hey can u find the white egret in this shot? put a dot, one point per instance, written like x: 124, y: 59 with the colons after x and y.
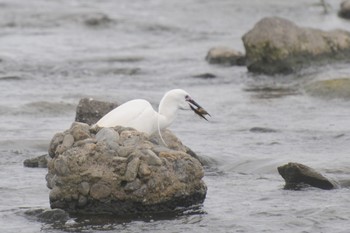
x: 140, y: 115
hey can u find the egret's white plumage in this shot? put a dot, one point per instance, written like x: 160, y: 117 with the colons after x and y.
x: 140, y: 115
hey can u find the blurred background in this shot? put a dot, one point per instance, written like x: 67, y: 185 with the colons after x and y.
x: 55, y: 52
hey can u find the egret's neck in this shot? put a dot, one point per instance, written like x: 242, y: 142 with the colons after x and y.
x: 167, y: 113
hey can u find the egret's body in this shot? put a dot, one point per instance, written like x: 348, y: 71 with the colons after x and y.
x: 140, y: 115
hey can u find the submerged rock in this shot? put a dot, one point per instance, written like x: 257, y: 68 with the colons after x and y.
x: 262, y: 130
x: 330, y: 89
x: 40, y: 161
x: 89, y: 111
x: 297, y: 175
x: 122, y: 171
x: 225, y: 56
x: 276, y: 45
x: 205, y: 76
x: 48, y: 215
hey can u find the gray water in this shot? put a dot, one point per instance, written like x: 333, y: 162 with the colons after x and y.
x: 55, y: 52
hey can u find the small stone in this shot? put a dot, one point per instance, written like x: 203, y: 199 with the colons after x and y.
x: 132, y: 186
x: 109, y: 136
x: 144, y: 170
x: 152, y: 158
x: 100, y: 191
x: 56, y: 140
x: 82, y: 201
x: 132, y: 169
x: 205, y: 76
x: 61, y: 167
x: 40, y: 161
x: 68, y: 141
x: 262, y: 130
x: 124, y: 151
x: 55, y: 194
x: 225, y: 56
x: 60, y: 149
x: 84, y: 188
x: 80, y: 131
x: 97, y: 19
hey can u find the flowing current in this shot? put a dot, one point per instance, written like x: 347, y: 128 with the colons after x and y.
x: 52, y: 53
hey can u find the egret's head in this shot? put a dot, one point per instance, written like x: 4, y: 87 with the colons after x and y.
x: 185, y: 102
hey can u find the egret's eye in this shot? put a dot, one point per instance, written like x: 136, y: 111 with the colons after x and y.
x: 187, y: 98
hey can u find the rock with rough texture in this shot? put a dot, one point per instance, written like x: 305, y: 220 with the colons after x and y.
x: 40, y: 161
x: 225, y: 56
x: 89, y: 111
x: 344, y: 11
x: 276, y: 45
x: 48, y: 215
x: 330, y: 89
x: 122, y: 171
x: 297, y: 176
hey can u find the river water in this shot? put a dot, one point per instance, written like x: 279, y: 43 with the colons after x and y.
x: 55, y: 52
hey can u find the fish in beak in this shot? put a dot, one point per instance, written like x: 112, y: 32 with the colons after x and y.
x: 197, y: 108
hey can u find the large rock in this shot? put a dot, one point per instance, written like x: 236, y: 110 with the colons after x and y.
x: 297, y: 176
x: 276, y: 45
x: 344, y: 11
x: 121, y: 171
x: 330, y: 89
x: 89, y: 111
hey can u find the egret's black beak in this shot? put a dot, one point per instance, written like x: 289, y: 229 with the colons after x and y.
x: 199, y: 110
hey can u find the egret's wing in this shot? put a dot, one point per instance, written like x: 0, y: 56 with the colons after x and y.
x: 125, y: 114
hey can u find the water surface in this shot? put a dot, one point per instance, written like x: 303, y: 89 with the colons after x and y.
x: 55, y: 52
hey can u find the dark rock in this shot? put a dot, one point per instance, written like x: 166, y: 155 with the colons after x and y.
x: 48, y: 216
x: 40, y: 161
x: 262, y: 130
x: 276, y: 45
x: 97, y: 19
x: 205, y: 76
x: 55, y: 141
x: 89, y: 111
x: 10, y: 78
x: 330, y: 89
x: 268, y: 92
x: 225, y: 56
x: 344, y: 11
x: 139, y: 175
x: 297, y: 175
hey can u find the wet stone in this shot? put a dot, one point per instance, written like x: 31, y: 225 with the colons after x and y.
x: 100, y: 191
x: 68, y: 141
x: 82, y: 201
x: 109, y: 136
x: 132, y: 186
x: 152, y: 158
x: 80, y: 131
x: 124, y: 151
x: 132, y: 169
x: 84, y: 188
x: 298, y: 175
x: 61, y: 167
x: 40, y: 161
x: 56, y: 140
